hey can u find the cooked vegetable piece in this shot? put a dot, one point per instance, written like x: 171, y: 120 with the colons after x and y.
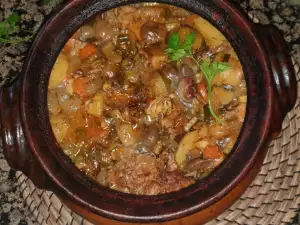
x: 171, y: 72
x: 158, y: 85
x: 199, y: 40
x: 96, y: 105
x: 187, y: 143
x: 60, y: 127
x: 185, y: 89
x: 218, y: 131
x: 59, y: 71
x: 74, y: 64
x: 211, y: 152
x: 73, y: 46
x: 53, y: 105
x: 232, y: 76
x: 97, y: 133
x: 223, y: 96
x: 201, y: 89
x: 85, y: 87
x: 109, y: 50
x: 126, y: 133
x: 87, y: 51
x: 213, y: 37
x: 190, y: 20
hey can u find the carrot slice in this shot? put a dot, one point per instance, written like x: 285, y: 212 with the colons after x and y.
x: 211, y: 152
x: 97, y: 133
x: 191, y: 19
x: 87, y: 51
x: 80, y: 87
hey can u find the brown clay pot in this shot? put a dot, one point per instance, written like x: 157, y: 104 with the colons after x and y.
x: 30, y: 146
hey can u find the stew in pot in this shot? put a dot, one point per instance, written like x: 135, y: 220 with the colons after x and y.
x: 147, y: 99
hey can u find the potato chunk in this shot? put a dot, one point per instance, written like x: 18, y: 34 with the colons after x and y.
x: 59, y: 126
x: 95, y: 107
x: 59, y: 71
x: 212, y: 35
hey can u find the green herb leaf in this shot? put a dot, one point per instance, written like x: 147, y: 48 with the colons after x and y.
x: 207, y: 70
x: 211, y: 69
x: 178, y: 54
x: 13, y: 19
x: 222, y: 66
x: 189, y: 41
x: 169, y: 51
x: 175, y: 51
x: 174, y: 41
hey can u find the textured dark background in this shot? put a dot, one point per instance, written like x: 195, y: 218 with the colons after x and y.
x: 285, y: 14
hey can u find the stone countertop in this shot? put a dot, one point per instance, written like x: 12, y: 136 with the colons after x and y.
x: 285, y: 14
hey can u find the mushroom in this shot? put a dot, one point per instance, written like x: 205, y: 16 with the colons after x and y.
x: 186, y: 71
x: 153, y: 32
x: 188, y: 143
x: 150, y: 136
x: 185, y: 90
x: 171, y: 72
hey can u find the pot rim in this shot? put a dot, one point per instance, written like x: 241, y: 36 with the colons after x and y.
x: 64, y: 180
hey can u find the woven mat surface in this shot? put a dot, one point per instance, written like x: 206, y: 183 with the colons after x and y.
x: 272, y: 198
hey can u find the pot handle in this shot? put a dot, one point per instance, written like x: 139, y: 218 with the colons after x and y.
x: 14, y: 145
x: 284, y: 78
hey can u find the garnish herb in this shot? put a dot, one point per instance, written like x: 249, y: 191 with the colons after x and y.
x: 10, y: 27
x: 177, y: 51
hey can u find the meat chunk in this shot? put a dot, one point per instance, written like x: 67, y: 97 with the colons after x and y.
x: 135, y: 175
x: 144, y: 175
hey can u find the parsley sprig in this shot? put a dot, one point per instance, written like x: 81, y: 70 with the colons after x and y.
x: 10, y: 27
x: 176, y: 51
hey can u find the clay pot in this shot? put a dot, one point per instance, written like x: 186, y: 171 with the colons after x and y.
x: 30, y: 146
